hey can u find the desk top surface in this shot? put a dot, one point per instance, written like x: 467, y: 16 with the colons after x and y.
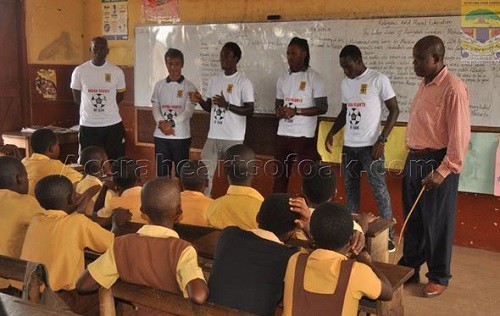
x: 12, y: 305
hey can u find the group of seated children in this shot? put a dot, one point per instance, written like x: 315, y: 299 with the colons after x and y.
x: 254, y: 270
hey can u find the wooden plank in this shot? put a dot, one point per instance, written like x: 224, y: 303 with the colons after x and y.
x: 378, y: 226
x: 168, y: 302
x: 11, y: 305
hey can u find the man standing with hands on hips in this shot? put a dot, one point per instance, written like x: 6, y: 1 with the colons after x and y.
x: 438, y: 137
x: 98, y: 87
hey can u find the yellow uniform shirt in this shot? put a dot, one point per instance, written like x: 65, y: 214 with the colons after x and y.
x: 57, y: 240
x: 87, y: 182
x: 104, y: 270
x: 321, y: 276
x: 39, y: 166
x: 131, y: 200
x: 16, y: 212
x: 239, y: 207
x: 194, y: 206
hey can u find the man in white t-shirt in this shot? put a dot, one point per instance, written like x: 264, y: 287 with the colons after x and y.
x: 300, y: 97
x: 98, y: 87
x: 172, y: 111
x: 364, y: 91
x: 230, y: 100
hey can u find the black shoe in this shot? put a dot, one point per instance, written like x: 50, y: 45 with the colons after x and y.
x: 391, y: 246
x: 415, y: 278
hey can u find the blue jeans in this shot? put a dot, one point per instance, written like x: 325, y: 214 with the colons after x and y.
x: 354, y: 160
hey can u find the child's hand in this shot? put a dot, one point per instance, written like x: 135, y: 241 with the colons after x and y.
x: 357, y: 242
x: 367, y: 217
x: 299, y: 205
x: 364, y: 257
x: 111, y: 185
x: 121, y: 216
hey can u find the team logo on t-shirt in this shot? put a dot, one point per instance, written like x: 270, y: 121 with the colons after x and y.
x: 219, y: 114
x: 363, y: 89
x: 99, y: 102
x: 169, y: 115
x: 107, y: 77
x: 229, y: 88
x: 354, y: 117
x: 302, y: 86
x: 289, y: 105
x: 179, y: 93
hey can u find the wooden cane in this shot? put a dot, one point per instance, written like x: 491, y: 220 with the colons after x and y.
x: 405, y: 222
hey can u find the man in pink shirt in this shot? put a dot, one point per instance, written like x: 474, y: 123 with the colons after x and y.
x: 438, y: 137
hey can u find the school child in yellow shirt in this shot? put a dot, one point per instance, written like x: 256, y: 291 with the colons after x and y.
x: 194, y: 180
x: 58, y: 236
x: 325, y: 282
x: 95, y: 166
x: 17, y: 208
x: 154, y: 256
x: 45, y: 159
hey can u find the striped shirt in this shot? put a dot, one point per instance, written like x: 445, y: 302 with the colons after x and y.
x: 440, y: 118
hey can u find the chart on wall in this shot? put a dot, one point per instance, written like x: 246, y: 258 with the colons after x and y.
x: 386, y: 45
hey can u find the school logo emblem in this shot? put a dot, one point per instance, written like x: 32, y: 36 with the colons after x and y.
x: 169, y: 116
x: 107, y: 77
x: 354, y: 116
x: 363, y: 89
x: 229, y: 88
x: 302, y: 86
x: 179, y: 93
x: 98, y: 102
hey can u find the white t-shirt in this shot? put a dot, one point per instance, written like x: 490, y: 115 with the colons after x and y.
x: 364, y: 97
x: 171, y: 103
x: 98, y: 85
x: 298, y: 90
x: 237, y: 89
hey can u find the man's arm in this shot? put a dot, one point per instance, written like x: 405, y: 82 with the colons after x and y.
x: 378, y: 147
x: 320, y: 107
x: 337, y: 126
x: 77, y: 96
x: 196, y: 98
x: 119, y: 96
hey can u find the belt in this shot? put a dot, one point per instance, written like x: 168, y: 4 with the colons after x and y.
x: 424, y: 151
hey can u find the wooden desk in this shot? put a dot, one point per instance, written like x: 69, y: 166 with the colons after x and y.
x: 22, y: 140
x: 377, y: 239
x: 12, y: 306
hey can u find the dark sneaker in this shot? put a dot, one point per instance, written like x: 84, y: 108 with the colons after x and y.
x: 391, y: 246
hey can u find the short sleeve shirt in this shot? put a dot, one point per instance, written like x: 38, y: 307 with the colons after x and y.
x: 172, y: 98
x: 237, y: 90
x: 98, y: 85
x: 298, y: 90
x: 364, y: 97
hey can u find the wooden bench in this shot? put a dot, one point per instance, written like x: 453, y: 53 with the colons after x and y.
x: 15, y: 269
x: 157, y: 299
x: 14, y: 306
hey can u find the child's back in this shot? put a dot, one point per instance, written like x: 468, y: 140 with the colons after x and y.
x: 194, y: 178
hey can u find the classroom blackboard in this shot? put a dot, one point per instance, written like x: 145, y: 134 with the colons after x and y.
x: 386, y: 45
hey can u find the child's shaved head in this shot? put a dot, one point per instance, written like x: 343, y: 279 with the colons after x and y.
x: 160, y: 200
x: 54, y: 192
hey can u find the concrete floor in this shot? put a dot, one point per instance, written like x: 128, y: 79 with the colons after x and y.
x: 474, y: 288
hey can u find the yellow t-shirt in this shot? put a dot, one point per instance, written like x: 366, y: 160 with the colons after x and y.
x: 194, y: 206
x: 16, y: 212
x: 58, y: 239
x: 39, y: 166
x: 131, y: 200
x: 321, y: 276
x: 87, y: 182
x: 104, y: 270
x: 239, y: 207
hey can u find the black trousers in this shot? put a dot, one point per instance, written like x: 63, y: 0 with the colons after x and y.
x: 111, y: 138
x: 168, y: 151
x: 428, y: 236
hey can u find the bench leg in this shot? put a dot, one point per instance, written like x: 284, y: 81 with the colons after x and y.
x: 106, y: 303
x: 393, y: 307
x: 377, y: 247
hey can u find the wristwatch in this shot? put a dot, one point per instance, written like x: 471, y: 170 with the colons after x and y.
x: 298, y: 111
x: 382, y: 138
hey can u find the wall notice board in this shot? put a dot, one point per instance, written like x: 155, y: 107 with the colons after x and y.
x: 386, y: 45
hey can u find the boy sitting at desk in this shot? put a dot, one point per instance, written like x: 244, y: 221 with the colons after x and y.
x: 194, y: 203
x: 58, y: 236
x: 249, y: 266
x: 155, y: 256
x: 240, y: 205
x: 325, y: 282
x: 126, y: 183
x: 94, y: 161
x: 17, y: 208
x: 45, y: 159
